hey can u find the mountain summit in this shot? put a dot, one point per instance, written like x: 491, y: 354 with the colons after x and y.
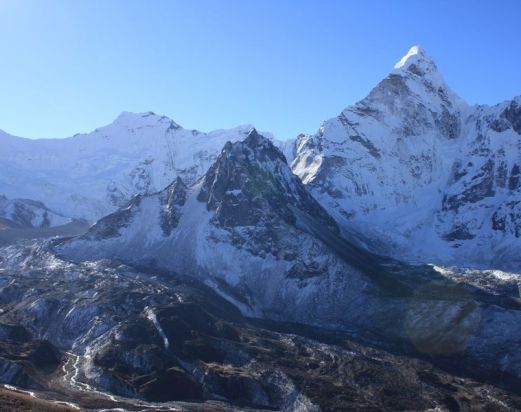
x: 419, y: 67
x: 418, y: 57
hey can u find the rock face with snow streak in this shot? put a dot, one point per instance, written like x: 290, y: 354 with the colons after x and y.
x: 28, y: 213
x: 90, y: 175
x: 418, y: 173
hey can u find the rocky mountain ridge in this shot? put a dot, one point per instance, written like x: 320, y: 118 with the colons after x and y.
x: 234, y: 229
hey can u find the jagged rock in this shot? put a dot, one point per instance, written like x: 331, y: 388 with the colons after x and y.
x: 174, y: 197
x: 512, y: 113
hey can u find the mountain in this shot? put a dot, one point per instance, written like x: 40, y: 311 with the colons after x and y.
x: 240, y: 288
x: 90, y: 175
x: 223, y: 278
x: 414, y: 171
x: 235, y: 230
x: 251, y: 231
x: 411, y: 171
x: 28, y: 213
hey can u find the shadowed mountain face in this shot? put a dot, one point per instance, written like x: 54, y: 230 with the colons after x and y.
x: 22, y: 219
x: 24, y: 213
x: 251, y: 179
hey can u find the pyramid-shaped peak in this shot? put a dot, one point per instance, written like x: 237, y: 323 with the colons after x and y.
x: 256, y: 145
x: 417, y: 61
x: 254, y: 138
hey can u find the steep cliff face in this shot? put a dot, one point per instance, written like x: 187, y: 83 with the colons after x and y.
x: 91, y: 175
x: 417, y: 172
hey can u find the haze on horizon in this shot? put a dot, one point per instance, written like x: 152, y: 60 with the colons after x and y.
x: 284, y: 67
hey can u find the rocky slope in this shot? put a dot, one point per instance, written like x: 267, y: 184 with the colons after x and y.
x: 418, y: 173
x: 90, y: 175
x: 102, y: 335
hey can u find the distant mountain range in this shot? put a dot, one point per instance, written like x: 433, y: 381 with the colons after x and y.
x: 411, y: 171
x: 90, y: 175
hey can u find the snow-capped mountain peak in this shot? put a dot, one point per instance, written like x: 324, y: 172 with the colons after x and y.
x: 414, y: 92
x: 145, y: 119
x: 418, y: 66
x: 422, y: 168
x: 419, y: 57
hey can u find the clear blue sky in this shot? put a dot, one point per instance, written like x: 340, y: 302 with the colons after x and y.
x: 73, y: 65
